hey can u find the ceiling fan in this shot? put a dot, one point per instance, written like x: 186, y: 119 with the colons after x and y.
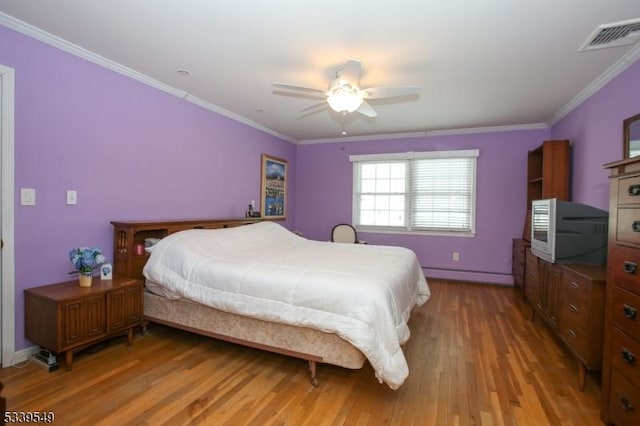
x: 345, y: 95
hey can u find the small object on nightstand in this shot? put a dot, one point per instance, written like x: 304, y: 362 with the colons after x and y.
x: 138, y: 249
x: 106, y: 271
x: 85, y: 279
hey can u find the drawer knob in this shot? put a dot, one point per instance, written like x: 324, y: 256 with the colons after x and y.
x: 573, y: 307
x: 630, y: 267
x: 572, y: 333
x: 635, y: 226
x: 574, y: 284
x: 634, y: 190
x: 627, y: 356
x: 628, y: 311
x: 626, y: 404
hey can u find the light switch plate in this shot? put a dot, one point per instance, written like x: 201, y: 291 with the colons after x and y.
x: 27, y: 196
x: 72, y: 198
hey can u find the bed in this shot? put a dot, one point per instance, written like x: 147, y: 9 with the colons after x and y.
x: 263, y: 286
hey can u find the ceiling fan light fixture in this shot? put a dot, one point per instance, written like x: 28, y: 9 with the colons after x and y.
x: 344, y: 98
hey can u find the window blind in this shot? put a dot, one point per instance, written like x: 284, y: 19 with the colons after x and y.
x: 442, y: 193
x: 420, y: 191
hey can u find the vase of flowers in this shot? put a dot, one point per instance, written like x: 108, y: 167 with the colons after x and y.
x: 85, y: 260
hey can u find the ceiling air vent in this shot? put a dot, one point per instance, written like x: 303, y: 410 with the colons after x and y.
x: 613, y: 35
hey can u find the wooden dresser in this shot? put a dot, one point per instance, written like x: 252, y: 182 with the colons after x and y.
x: 569, y: 298
x: 580, y: 313
x: 621, y: 368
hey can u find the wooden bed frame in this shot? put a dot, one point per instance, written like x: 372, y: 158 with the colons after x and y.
x: 300, y: 342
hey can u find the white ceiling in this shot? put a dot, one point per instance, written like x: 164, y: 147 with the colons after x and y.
x: 479, y: 63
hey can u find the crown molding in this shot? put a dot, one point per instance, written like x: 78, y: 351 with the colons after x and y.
x: 66, y: 46
x: 489, y: 129
x: 22, y: 27
x: 430, y: 133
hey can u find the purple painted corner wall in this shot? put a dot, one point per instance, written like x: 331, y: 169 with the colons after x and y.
x: 324, y: 199
x: 134, y: 152
x: 131, y: 152
x: 595, y: 131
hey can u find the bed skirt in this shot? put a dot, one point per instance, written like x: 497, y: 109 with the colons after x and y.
x: 300, y: 342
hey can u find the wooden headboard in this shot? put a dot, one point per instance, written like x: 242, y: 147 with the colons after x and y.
x: 129, y: 262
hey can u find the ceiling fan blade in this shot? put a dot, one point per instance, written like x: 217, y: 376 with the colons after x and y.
x: 351, y: 73
x: 314, y: 106
x: 389, y: 92
x: 366, y: 110
x: 296, y: 88
x: 313, y: 109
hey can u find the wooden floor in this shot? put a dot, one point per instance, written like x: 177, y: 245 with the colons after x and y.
x: 474, y: 359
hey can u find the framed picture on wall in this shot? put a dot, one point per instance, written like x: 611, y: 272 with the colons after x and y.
x: 273, y: 190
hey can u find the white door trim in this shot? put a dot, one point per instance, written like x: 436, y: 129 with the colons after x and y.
x: 7, y: 81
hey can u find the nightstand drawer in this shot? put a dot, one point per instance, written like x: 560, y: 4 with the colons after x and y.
x: 83, y: 320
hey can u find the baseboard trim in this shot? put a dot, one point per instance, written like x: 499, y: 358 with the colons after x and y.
x: 474, y: 276
x: 20, y: 356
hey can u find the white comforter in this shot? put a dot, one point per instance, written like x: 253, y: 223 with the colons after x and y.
x: 363, y: 293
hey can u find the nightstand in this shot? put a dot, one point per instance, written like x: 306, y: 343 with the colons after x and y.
x: 65, y: 317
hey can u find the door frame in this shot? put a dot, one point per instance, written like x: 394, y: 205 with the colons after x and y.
x: 7, y: 259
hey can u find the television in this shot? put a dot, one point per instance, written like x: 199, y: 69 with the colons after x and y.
x: 568, y: 232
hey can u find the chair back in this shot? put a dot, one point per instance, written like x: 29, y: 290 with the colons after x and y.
x: 344, y: 233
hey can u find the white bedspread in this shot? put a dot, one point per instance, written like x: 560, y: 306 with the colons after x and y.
x: 363, y: 293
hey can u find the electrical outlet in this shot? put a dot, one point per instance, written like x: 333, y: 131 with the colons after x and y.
x: 456, y: 256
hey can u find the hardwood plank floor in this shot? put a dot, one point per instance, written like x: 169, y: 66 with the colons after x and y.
x: 474, y: 359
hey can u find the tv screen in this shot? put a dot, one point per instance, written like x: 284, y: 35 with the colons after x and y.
x: 568, y: 232
x: 540, y: 221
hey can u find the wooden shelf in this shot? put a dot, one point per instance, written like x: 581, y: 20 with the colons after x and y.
x: 548, y: 175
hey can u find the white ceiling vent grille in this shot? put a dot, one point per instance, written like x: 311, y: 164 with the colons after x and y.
x: 613, y: 35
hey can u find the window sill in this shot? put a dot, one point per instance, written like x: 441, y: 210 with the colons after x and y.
x: 364, y: 229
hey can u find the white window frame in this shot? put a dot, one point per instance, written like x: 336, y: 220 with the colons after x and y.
x: 408, y: 157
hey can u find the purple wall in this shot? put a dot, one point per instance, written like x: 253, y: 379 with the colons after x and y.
x: 131, y: 152
x: 595, y: 129
x: 325, y: 187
